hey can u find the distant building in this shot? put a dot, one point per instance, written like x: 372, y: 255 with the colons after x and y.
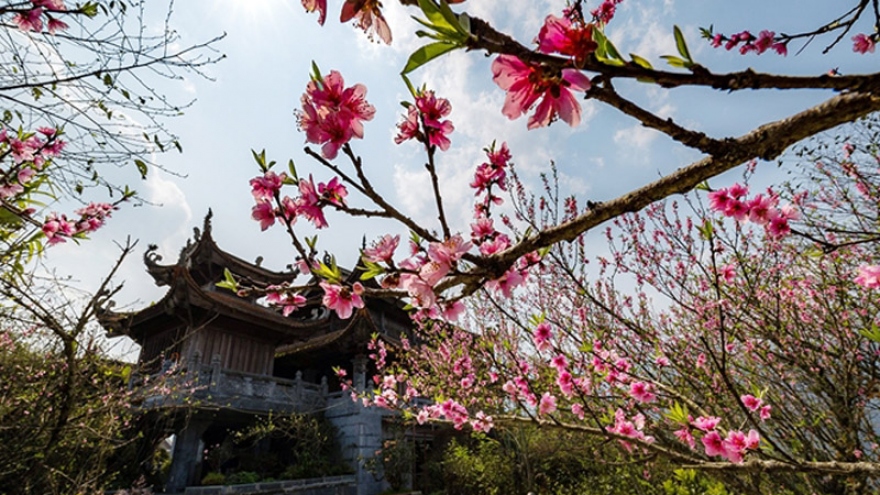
x: 240, y: 359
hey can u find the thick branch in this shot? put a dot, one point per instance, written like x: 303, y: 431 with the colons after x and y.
x: 487, y: 38
x: 766, y: 142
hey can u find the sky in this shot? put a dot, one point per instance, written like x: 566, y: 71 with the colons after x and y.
x: 249, y: 102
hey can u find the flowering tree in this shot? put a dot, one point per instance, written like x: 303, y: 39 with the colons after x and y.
x: 750, y: 323
x: 77, y: 91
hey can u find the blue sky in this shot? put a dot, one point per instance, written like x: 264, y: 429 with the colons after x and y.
x: 270, y: 45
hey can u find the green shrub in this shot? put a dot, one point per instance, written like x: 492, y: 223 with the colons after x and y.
x: 242, y: 478
x: 214, y: 478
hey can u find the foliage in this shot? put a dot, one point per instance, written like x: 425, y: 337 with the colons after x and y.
x: 526, y: 459
x: 58, y: 451
x: 299, y: 446
x: 214, y: 478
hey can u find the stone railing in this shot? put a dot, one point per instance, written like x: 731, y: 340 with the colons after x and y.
x: 210, y: 384
x: 332, y: 485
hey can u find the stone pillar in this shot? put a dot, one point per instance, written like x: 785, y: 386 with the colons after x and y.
x: 359, y: 429
x: 194, y: 368
x: 359, y: 373
x: 215, y: 372
x: 185, y: 456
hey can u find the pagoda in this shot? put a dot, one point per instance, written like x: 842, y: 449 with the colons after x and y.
x: 233, y: 358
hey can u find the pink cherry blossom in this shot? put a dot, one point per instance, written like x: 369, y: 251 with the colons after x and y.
x: 432, y: 110
x: 264, y: 213
x: 713, y: 444
x: 706, y: 423
x: 308, y: 203
x: 547, y: 404
x: 863, y: 43
x: 642, y: 392
x: 869, y: 276
x: 342, y: 299
x: 319, y: 5
x: 526, y: 84
x: 765, y: 413
x: 367, y: 16
x: 30, y: 20
x: 684, y: 434
x: 288, y: 302
x: 605, y: 12
x: 266, y: 186
x: 332, y: 114
x: 560, y: 35
x: 448, y: 251
x: 333, y: 192
x: 53, y: 25
x: 751, y: 402
x: 383, y: 249
x: 408, y: 128
x: 542, y: 336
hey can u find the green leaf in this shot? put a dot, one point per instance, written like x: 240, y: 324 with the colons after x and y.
x: 674, y: 61
x: 260, y: 158
x: 464, y: 21
x: 372, y: 270
x: 329, y: 273
x: 681, y: 45
x: 677, y: 413
x: 641, y: 62
x: 316, y: 75
x: 873, y: 334
x: 90, y: 9
x: 292, y: 168
x: 427, y: 53
x: 108, y: 80
x: 228, y: 281
x: 535, y: 320
x: 452, y: 19
x: 702, y: 186
x: 605, y: 50
x: 440, y: 16
x: 142, y: 168
x: 706, y: 230
x: 409, y: 86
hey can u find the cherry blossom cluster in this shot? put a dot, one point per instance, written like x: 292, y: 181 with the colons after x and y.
x: 762, y: 209
x: 58, y: 228
x: 280, y: 296
x: 527, y: 83
x: 605, y: 11
x: 30, y: 154
x: 484, y: 235
x: 629, y: 428
x: 33, y: 19
x: 423, y: 121
x: 734, y: 447
x: 749, y: 43
x: 490, y: 174
x: 332, y: 114
x: 419, y: 274
x: 309, y: 204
